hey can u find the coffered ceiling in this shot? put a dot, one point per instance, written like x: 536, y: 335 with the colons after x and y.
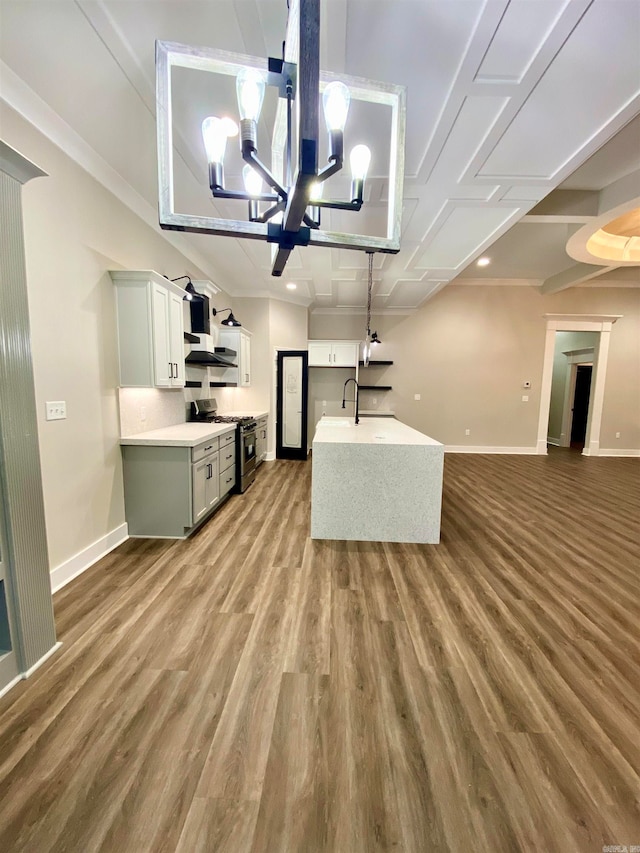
x: 505, y: 103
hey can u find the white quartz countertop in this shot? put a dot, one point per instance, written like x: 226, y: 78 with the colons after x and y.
x: 178, y: 435
x: 243, y: 413
x: 369, y: 431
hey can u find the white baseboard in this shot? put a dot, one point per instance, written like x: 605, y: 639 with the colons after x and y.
x: 270, y: 457
x: 464, y: 448
x: 11, y: 684
x: 39, y: 663
x: 31, y: 670
x: 615, y: 451
x: 554, y: 441
x: 80, y: 562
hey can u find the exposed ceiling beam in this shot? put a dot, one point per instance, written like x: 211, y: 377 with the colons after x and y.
x: 574, y: 275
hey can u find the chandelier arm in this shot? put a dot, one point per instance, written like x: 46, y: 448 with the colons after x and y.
x: 270, y: 212
x: 311, y: 223
x: 331, y: 169
x: 250, y: 158
x: 338, y: 205
x: 243, y: 196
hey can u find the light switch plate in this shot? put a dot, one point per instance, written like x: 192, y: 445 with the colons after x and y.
x: 525, y: 398
x: 416, y: 396
x: 56, y: 410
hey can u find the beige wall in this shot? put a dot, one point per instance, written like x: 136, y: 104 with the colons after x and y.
x: 75, y: 231
x: 468, y: 351
x: 565, y: 341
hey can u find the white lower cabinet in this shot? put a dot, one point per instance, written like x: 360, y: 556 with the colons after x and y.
x: 261, y: 439
x: 227, y: 455
x: 206, y: 486
x: 169, y: 490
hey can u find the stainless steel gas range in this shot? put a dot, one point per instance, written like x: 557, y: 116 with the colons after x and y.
x: 206, y: 410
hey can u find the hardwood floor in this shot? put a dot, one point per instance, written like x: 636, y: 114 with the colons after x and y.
x: 251, y: 689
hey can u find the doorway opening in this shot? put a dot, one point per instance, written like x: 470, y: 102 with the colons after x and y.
x: 603, y: 325
x: 580, y: 407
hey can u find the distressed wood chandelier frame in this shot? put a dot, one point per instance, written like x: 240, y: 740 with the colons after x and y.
x: 298, y: 69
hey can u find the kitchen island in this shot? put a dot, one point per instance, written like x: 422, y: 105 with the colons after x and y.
x: 378, y: 481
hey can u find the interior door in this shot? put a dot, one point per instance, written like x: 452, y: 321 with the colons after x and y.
x: 581, y: 405
x: 291, y: 409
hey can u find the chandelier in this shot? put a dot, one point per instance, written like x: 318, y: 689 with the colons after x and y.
x: 284, y: 201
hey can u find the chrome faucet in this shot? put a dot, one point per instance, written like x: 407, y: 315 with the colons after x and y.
x: 344, y: 394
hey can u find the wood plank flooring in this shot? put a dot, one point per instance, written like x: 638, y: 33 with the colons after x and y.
x: 251, y: 689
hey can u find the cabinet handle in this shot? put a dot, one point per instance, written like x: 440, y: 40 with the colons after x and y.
x: 170, y: 370
x: 209, y: 448
x: 176, y: 366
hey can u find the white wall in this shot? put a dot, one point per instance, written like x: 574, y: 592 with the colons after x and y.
x: 75, y: 231
x: 468, y: 351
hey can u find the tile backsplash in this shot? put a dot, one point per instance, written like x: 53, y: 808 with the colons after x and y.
x: 144, y: 409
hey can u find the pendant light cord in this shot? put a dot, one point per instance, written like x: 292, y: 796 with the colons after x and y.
x: 369, y: 288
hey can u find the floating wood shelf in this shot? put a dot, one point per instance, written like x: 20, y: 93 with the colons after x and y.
x: 190, y: 383
x: 191, y: 339
x: 223, y: 385
x: 375, y: 363
x: 375, y: 387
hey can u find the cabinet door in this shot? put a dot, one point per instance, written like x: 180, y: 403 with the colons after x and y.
x: 176, y: 341
x: 212, y: 483
x: 244, y: 365
x: 200, y: 476
x: 160, y: 312
x: 205, y: 486
x: 320, y: 354
x: 345, y: 354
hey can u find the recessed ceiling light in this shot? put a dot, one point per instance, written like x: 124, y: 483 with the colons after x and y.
x: 483, y: 262
x: 291, y: 286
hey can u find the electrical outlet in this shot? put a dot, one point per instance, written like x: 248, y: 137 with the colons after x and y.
x: 617, y: 435
x: 467, y: 432
x: 143, y: 413
x: 525, y: 398
x: 374, y: 401
x: 57, y: 410
x: 416, y: 396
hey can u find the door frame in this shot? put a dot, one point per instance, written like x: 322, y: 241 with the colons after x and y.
x: 288, y: 452
x: 602, y: 323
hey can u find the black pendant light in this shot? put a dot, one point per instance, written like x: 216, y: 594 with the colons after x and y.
x: 190, y: 292
x: 230, y: 321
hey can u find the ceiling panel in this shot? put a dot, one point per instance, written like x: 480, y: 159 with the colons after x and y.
x: 522, y: 31
x: 408, y: 294
x: 461, y: 234
x: 539, y: 142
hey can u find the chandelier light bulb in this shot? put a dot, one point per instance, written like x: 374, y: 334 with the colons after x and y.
x: 335, y: 101
x: 214, y: 135
x: 250, y: 90
x: 360, y: 159
x: 252, y: 181
x: 315, y: 192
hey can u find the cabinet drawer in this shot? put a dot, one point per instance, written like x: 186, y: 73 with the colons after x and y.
x: 227, y: 438
x: 227, y: 457
x: 227, y: 480
x: 201, y: 450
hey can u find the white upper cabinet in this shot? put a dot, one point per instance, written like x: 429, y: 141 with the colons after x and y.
x: 150, y: 329
x: 333, y: 353
x: 240, y: 341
